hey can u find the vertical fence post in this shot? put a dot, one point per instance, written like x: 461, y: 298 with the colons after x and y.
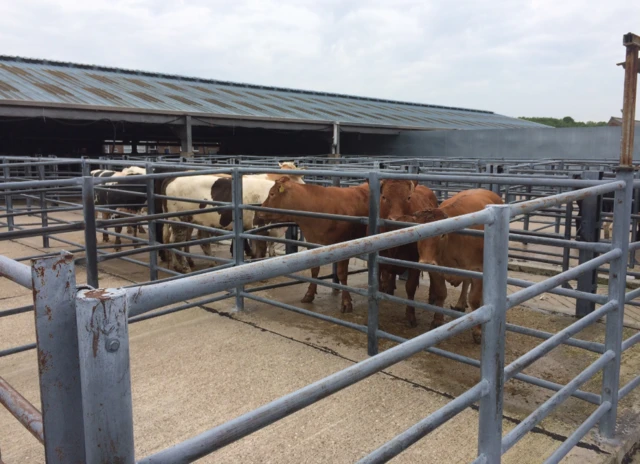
x: 291, y: 234
x: 151, y: 225
x: 493, y: 333
x: 334, y: 267
x: 43, y: 207
x: 617, y: 289
x: 103, y: 342
x: 566, y: 251
x: 54, y: 297
x: 372, y: 265
x: 589, y: 232
x: 90, y: 240
x: 8, y: 199
x: 238, y: 244
x: 527, y: 197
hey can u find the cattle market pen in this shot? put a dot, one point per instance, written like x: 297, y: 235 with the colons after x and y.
x: 82, y: 331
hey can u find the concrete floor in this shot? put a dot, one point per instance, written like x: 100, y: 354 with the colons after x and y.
x: 198, y: 368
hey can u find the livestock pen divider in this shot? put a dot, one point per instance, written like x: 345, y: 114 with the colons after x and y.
x: 85, y: 385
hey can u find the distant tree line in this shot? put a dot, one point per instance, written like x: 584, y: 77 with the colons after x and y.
x: 567, y: 121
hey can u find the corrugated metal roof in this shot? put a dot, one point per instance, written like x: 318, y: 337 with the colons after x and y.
x: 78, y: 86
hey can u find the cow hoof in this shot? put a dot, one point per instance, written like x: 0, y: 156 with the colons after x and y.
x: 191, y: 263
x: 477, y: 337
x: 308, y: 298
x: 335, y: 291
x: 105, y: 240
x: 460, y: 309
x: 412, y: 322
x: 347, y: 307
x: 435, y: 324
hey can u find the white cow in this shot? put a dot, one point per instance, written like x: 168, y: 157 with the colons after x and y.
x: 255, y: 189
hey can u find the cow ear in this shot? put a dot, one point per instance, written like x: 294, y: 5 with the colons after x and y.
x: 413, y: 185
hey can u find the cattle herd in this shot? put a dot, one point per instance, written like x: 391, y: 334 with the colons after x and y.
x: 401, y: 200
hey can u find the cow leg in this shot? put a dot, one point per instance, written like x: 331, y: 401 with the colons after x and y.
x: 271, y: 247
x: 247, y: 249
x: 313, y: 288
x: 188, y: 231
x: 105, y: 235
x: 135, y: 235
x: 461, y: 305
x: 439, y: 294
x: 181, y: 234
x: 475, y: 300
x: 343, y: 273
x: 411, y: 286
x: 118, y: 229
x: 606, y: 226
x: 167, y: 256
x: 206, y: 247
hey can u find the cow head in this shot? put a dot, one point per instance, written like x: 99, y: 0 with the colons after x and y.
x: 279, y: 197
x: 395, y: 198
x: 428, y: 248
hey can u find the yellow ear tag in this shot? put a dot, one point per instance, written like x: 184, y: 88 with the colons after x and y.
x: 281, y: 189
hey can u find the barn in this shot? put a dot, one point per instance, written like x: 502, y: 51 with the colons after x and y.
x: 55, y: 108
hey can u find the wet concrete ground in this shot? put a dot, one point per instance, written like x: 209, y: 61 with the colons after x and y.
x: 203, y: 366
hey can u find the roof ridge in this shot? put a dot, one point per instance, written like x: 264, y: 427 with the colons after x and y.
x: 67, y: 64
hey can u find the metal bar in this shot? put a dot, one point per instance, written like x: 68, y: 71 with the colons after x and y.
x: 40, y: 183
x: 238, y: 229
x: 632, y: 295
x: 291, y: 212
x: 552, y: 403
x: 17, y: 349
x: 54, y: 293
x: 410, y: 436
x: 532, y: 205
x: 631, y: 341
x: 24, y: 233
x: 580, y: 432
x: 15, y: 271
x: 545, y: 347
x: 103, y: 342
x: 552, y: 282
x: 617, y: 289
x: 233, y: 430
x: 629, y: 387
x: 152, y: 296
x: 20, y: 310
x: 600, y: 299
x: 373, y: 273
x: 90, y: 240
x: 585, y: 345
x: 430, y: 267
x: 43, y: 204
x: 8, y: 199
x: 151, y: 225
x: 152, y: 315
x: 496, y: 261
x: 21, y: 409
x: 288, y: 307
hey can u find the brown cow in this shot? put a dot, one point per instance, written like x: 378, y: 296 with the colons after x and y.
x: 399, y: 198
x: 455, y: 250
x: 348, y: 201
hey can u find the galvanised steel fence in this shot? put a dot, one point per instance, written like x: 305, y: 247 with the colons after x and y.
x: 81, y: 378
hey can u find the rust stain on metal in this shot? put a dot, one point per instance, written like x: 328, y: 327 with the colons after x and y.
x: 101, y: 294
x: 5, y: 87
x: 104, y: 94
x: 15, y: 70
x: 62, y: 75
x: 183, y: 100
x: 21, y: 409
x: 204, y: 89
x: 43, y: 361
x: 145, y: 96
x: 219, y: 103
x: 101, y: 78
x: 48, y: 312
x: 52, y: 89
x: 171, y: 86
x: 231, y: 92
x: 139, y: 83
x: 59, y: 453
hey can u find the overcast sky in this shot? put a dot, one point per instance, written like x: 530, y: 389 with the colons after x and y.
x: 519, y: 58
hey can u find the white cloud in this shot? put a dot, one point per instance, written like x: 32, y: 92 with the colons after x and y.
x: 537, y: 57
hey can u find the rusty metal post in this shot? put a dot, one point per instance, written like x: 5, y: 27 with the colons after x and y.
x: 54, y: 294
x: 103, y: 341
x: 631, y: 69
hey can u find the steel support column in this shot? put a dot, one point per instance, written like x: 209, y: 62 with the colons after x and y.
x: 103, y: 342
x: 372, y: 264
x: 496, y: 258
x: 151, y: 225
x: 43, y: 207
x: 90, y: 239
x: 617, y: 289
x: 186, y: 137
x: 589, y: 232
x: 54, y: 298
x: 238, y: 228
